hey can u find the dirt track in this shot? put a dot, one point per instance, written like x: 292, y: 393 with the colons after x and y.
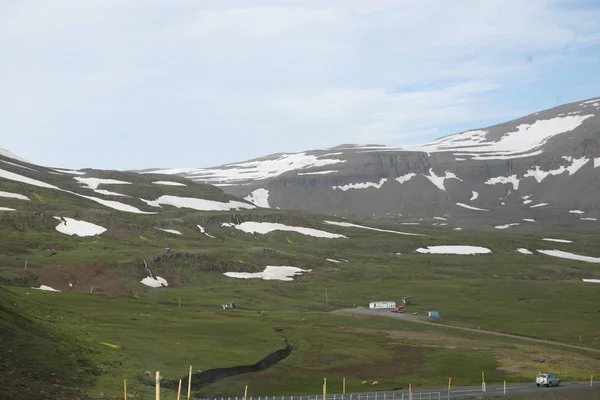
x: 423, y: 320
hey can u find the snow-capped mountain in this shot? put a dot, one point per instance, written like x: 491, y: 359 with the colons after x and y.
x: 538, y: 167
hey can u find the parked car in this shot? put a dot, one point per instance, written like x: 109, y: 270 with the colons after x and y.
x: 547, y: 380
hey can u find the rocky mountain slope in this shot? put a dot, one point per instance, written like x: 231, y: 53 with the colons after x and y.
x: 543, y: 167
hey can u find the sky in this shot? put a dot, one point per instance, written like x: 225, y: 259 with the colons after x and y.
x: 134, y: 84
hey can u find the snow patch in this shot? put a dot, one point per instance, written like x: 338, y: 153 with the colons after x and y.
x: 405, y: 178
x: 13, y: 195
x: 259, y: 197
x: 155, y: 282
x: 558, y: 240
x: 588, y: 219
x: 318, y: 172
x: 470, y: 207
x: 439, y: 180
x: 7, y: 209
x: 576, y: 212
x: 523, y: 142
x: 570, y: 256
x: 596, y: 162
x: 173, y: 231
x: 204, y: 231
x: 46, y: 288
x: 524, y: 251
x: 8, y: 154
x: 453, y: 249
x: 362, y: 185
x: 504, y: 180
x: 474, y: 195
x: 19, y: 165
x: 333, y: 261
x: 591, y: 280
x: 169, y: 183
x: 266, y: 227
x: 350, y: 225
x: 573, y: 167
x: 198, y: 204
x: 68, y: 171
x: 70, y: 226
x: 538, y: 205
x: 507, y: 225
x: 528, y: 219
x: 270, y: 273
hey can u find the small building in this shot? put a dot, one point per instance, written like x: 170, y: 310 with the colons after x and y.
x: 433, y: 314
x: 382, y: 304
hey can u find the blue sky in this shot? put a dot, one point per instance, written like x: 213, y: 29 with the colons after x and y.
x: 132, y: 84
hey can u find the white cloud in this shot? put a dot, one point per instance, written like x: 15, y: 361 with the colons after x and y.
x: 267, y: 75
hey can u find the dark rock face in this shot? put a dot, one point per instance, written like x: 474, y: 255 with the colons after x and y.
x: 537, y: 167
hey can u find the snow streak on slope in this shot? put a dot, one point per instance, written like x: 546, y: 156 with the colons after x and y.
x: 7, y: 209
x: 267, y: 227
x: 13, y: 195
x: 93, y: 183
x: 474, y: 196
x: 69, y: 171
x: 524, y: 251
x: 570, y: 256
x: 362, y: 185
x: 173, y: 231
x: 198, y: 204
x: 204, y: 231
x: 169, y: 183
x: 108, y: 203
x: 506, y: 226
x: 596, y: 162
x: 558, y: 240
x: 504, y: 180
x: 70, y: 226
x: 439, y: 181
x: 278, y: 273
x: 350, y: 225
x: 470, y: 207
x: 264, y: 168
x: 453, y: 249
x: 573, y: 167
x: 18, y: 165
x: 259, y: 197
x: 317, y: 173
x: 525, y: 141
x: 8, y: 154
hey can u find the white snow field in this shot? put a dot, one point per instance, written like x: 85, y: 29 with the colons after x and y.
x: 34, y: 182
x: 538, y: 205
x: 154, y: 282
x: 169, y: 183
x: 573, y: 167
x: 11, y: 195
x: 570, y: 256
x: 270, y: 273
x: 8, y: 154
x: 262, y: 168
x: 454, y: 249
x: 470, y: 207
x: 173, y: 231
x: 506, y: 226
x: 439, y: 181
x: 70, y: 226
x: 350, y: 225
x: 361, y: 185
x: 204, y: 231
x: 18, y: 165
x: 405, y: 178
x: 198, y: 204
x: 504, y: 180
x: 524, y: 251
x: 474, y: 195
x: 591, y: 280
x: 46, y: 288
x: 7, y: 209
x: 558, y: 240
x: 525, y: 141
x: 266, y: 227
x: 259, y: 197
x: 318, y: 172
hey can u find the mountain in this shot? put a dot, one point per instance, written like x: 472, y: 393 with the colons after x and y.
x: 544, y: 167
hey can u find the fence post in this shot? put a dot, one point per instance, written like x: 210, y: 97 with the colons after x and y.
x: 591, y: 380
x: 157, y: 385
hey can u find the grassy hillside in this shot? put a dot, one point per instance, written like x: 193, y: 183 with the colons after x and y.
x: 105, y: 326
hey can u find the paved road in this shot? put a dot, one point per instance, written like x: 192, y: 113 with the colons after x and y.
x: 422, y: 320
x: 455, y: 393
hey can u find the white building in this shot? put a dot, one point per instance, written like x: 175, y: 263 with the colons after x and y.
x: 382, y: 304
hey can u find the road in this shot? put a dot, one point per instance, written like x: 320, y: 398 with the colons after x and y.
x: 422, y: 320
